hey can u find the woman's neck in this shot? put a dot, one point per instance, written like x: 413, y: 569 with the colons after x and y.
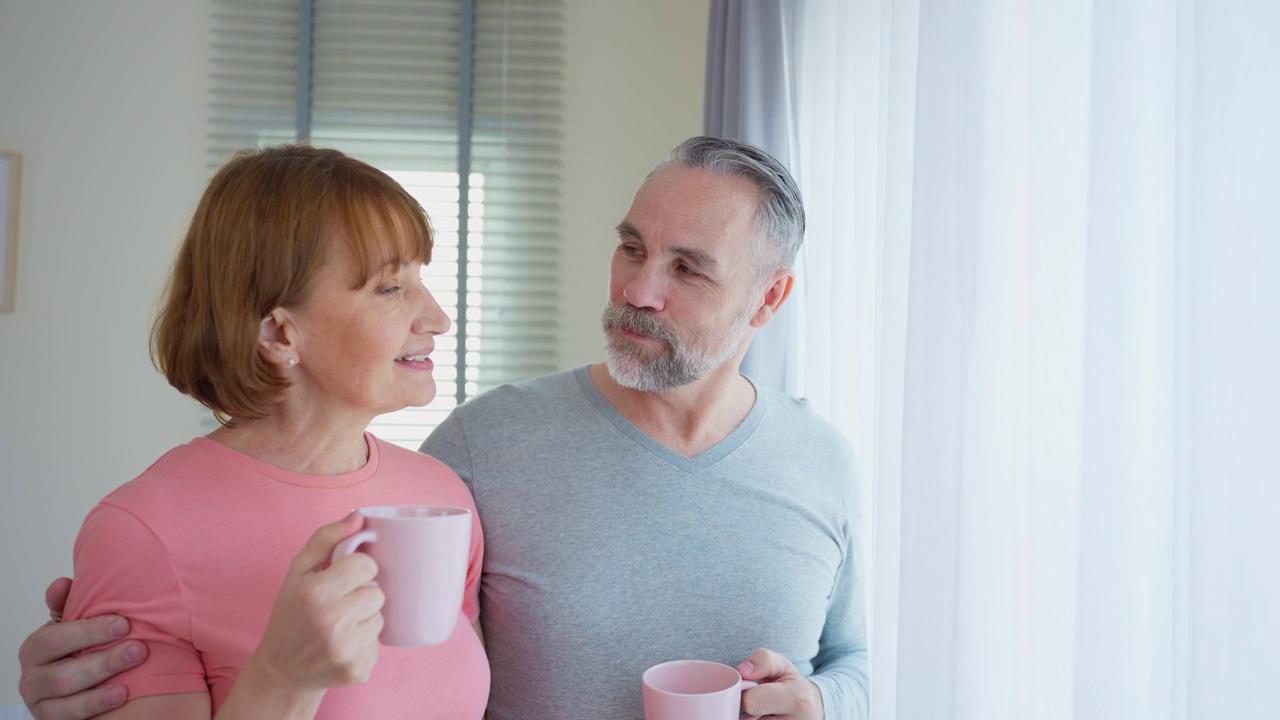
x: 297, y: 444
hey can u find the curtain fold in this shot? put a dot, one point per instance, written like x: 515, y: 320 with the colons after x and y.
x: 749, y: 97
x: 1039, y: 294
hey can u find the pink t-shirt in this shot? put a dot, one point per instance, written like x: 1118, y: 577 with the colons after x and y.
x: 194, y: 551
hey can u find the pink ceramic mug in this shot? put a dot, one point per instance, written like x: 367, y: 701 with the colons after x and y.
x: 422, y: 552
x: 694, y: 690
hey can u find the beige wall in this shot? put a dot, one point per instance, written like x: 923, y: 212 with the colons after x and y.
x: 105, y: 101
x: 634, y: 81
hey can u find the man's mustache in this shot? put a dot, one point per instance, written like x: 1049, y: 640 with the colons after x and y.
x: 625, y: 317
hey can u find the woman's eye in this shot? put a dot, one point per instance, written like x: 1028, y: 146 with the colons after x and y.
x: 389, y: 289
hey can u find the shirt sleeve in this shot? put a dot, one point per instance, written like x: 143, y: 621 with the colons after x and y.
x: 448, y: 444
x: 122, y: 568
x: 841, y: 668
x: 475, y: 566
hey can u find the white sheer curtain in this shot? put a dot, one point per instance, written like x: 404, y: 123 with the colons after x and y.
x: 1041, y: 288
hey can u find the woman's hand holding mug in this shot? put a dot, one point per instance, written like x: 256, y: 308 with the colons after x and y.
x: 324, y: 627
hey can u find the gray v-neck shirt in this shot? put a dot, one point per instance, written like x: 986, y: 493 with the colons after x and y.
x: 607, y: 552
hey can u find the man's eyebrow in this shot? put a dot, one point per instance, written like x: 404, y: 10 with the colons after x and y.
x: 699, y: 258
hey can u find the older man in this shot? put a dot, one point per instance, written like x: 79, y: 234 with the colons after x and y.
x: 656, y: 506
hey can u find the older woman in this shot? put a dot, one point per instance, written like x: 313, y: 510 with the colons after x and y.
x: 296, y: 312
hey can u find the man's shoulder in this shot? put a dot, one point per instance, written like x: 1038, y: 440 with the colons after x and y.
x: 797, y: 413
x: 515, y: 397
x: 509, y: 420
x: 394, y: 458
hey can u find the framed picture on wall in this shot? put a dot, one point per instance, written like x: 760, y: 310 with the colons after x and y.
x: 10, y: 175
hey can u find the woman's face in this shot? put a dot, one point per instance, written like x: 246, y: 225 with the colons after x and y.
x: 367, y: 350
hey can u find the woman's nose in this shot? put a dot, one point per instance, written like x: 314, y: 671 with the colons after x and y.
x: 431, y: 317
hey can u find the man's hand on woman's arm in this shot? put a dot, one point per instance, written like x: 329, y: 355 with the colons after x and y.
x: 57, y: 686
x: 323, y: 633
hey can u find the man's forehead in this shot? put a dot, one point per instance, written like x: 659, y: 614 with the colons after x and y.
x: 690, y: 187
x: 693, y: 203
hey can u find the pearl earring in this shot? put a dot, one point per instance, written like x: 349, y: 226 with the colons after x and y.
x: 291, y: 362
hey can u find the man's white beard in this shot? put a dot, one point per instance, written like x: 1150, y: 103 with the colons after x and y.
x: 681, y: 363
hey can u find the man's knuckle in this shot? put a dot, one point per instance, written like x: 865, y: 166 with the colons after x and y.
x: 42, y: 712
x: 116, y: 661
x: 24, y: 653
x: 27, y: 688
x: 57, y: 645
x: 62, y: 684
x: 98, y: 703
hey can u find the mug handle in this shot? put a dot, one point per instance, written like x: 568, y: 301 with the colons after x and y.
x: 743, y: 685
x: 350, y: 544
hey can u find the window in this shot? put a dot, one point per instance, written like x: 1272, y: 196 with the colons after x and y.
x: 431, y: 91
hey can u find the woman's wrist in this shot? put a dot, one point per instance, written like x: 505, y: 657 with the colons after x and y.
x: 261, y: 692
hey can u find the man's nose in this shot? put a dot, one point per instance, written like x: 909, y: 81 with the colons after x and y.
x: 647, y: 288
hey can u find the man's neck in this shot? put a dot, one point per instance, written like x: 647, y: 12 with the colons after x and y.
x: 690, y: 419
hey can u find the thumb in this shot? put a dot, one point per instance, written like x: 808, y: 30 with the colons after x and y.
x: 765, y: 665
x: 315, y: 554
x: 55, y: 597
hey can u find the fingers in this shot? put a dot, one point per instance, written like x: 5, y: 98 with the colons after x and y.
x: 79, y: 707
x: 324, y: 628
x: 354, y: 645
x: 370, y: 624
x: 55, y: 597
x: 315, y: 554
x: 765, y: 665
x: 363, y: 604
x: 353, y: 571
x: 768, y: 699
x: 783, y: 692
x: 57, y: 640
x: 57, y: 689
x: 55, y: 685
x: 337, y: 598
x: 358, y: 630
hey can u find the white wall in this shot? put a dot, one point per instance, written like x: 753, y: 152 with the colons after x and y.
x: 105, y: 101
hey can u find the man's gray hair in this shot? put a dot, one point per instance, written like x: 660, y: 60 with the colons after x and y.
x: 780, y: 213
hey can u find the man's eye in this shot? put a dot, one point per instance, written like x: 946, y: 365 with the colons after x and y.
x: 686, y: 270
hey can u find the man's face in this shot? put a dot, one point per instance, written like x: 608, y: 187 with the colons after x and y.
x: 682, y: 285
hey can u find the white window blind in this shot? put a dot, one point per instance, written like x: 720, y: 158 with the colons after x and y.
x: 381, y: 82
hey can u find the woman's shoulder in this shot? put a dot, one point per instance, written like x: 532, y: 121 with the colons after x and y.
x: 421, y: 475
x: 176, y: 473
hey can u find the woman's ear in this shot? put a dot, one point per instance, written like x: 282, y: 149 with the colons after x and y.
x: 775, y: 295
x: 276, y: 339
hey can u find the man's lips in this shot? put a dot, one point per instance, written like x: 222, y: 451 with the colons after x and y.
x: 636, y: 336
